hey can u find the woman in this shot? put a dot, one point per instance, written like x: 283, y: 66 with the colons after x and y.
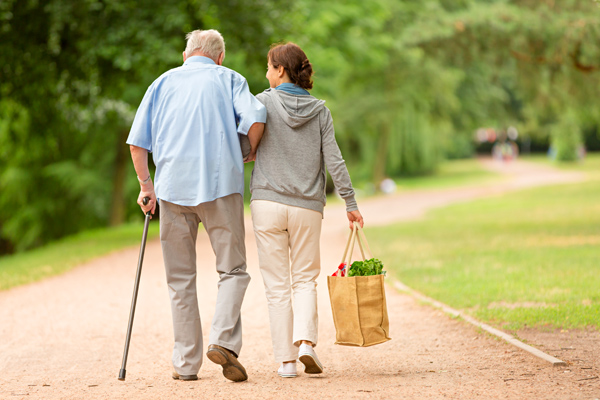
x: 288, y: 196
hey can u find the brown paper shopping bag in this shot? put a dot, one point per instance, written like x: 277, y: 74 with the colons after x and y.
x: 358, y: 302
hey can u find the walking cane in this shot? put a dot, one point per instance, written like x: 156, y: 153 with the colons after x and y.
x: 136, y: 286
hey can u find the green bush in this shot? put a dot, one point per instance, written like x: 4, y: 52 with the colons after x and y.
x: 567, y: 137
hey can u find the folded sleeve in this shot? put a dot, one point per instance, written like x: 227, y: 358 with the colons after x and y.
x: 140, y: 134
x: 248, y: 110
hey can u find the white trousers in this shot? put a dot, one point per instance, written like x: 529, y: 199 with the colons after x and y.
x: 287, y: 238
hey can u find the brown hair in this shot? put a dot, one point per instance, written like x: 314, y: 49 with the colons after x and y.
x: 294, y: 61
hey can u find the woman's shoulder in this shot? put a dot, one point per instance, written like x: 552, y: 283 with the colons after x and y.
x: 265, y: 95
x: 325, y: 112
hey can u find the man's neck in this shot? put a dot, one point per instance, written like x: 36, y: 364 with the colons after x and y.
x: 199, y: 53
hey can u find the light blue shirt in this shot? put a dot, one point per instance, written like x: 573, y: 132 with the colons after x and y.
x: 189, y: 119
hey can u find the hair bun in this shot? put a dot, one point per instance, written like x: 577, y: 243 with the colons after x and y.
x: 294, y: 61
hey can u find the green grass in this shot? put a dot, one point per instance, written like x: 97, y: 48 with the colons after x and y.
x: 449, y: 174
x: 60, y: 256
x: 526, y: 258
x: 590, y: 164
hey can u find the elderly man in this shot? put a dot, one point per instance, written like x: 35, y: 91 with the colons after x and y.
x: 190, y: 119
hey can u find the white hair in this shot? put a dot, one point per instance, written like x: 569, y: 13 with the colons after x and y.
x: 209, y: 42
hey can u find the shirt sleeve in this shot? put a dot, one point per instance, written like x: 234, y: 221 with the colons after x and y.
x: 248, y: 110
x: 335, y: 163
x: 140, y: 134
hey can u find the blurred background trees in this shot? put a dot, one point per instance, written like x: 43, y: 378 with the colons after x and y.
x: 408, y: 82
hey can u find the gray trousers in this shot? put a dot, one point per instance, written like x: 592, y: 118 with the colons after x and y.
x: 223, y: 220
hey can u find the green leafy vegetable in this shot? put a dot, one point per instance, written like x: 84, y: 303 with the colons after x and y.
x: 365, y: 268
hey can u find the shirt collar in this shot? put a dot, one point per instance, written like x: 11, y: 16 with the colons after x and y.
x: 199, y: 59
x: 292, y: 89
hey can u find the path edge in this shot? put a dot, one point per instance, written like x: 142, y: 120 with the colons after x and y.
x: 496, y: 332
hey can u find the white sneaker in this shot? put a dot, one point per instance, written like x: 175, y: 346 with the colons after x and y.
x: 287, y: 370
x: 308, y: 357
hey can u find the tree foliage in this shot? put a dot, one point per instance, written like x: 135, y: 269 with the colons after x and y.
x: 414, y: 79
x: 72, y: 75
x: 408, y: 82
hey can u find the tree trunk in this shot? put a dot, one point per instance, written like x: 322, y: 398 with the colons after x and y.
x: 117, y: 212
x: 382, y: 154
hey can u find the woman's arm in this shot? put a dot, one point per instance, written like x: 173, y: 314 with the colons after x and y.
x: 337, y: 168
x: 255, y: 133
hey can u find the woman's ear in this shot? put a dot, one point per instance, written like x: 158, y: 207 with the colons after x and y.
x: 280, y: 71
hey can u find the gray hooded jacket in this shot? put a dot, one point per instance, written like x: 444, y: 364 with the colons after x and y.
x: 299, y: 141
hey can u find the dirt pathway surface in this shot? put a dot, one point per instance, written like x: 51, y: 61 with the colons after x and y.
x: 62, y: 338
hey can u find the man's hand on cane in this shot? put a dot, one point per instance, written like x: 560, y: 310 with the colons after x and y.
x: 147, y: 190
x: 140, y: 163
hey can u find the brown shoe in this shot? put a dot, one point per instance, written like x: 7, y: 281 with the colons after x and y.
x: 184, y: 377
x: 232, y: 369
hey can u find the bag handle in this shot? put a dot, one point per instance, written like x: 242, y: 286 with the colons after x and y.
x: 341, y: 271
x: 354, y: 237
x: 348, y: 260
x: 347, y: 246
x: 357, y: 234
x: 360, y: 247
x: 363, y: 241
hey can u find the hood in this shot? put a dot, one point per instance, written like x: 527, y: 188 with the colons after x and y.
x: 295, y: 110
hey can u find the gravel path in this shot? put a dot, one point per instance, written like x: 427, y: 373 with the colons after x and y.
x: 62, y: 338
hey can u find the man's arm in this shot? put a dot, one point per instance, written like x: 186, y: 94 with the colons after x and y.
x: 255, y: 134
x: 248, y: 110
x: 140, y: 163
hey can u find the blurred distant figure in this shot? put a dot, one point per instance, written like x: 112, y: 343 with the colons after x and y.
x: 505, y: 149
x: 387, y: 186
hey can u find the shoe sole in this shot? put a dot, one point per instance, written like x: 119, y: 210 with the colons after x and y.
x: 233, y: 372
x: 311, y: 366
x: 287, y: 375
x: 181, y: 378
